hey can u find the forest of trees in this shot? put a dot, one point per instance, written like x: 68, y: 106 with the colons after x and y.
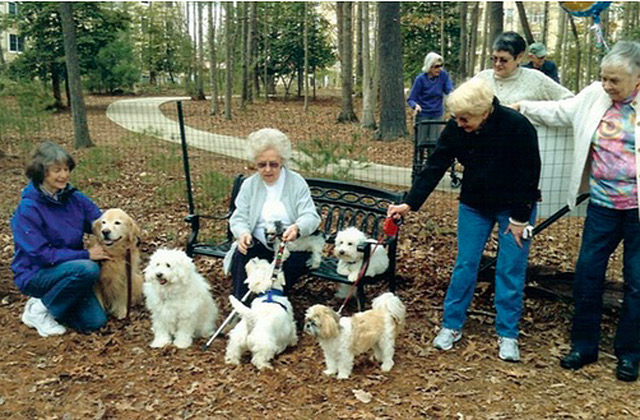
x: 265, y: 50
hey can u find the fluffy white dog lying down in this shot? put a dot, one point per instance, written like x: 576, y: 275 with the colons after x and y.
x: 350, y: 259
x: 267, y: 328
x: 178, y: 298
x: 313, y: 243
x: 342, y: 339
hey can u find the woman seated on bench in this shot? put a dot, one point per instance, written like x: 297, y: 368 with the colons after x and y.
x: 274, y: 193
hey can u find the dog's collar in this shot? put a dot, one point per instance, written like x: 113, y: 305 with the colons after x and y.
x: 269, y: 297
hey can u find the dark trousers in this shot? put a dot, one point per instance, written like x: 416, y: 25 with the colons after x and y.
x: 604, y: 229
x: 294, y: 267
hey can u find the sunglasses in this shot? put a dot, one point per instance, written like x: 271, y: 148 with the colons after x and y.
x: 500, y: 60
x: 271, y: 164
x: 462, y: 120
x: 437, y: 66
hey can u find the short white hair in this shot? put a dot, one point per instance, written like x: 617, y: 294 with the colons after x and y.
x: 269, y: 139
x: 473, y: 97
x: 624, y: 54
x: 430, y: 59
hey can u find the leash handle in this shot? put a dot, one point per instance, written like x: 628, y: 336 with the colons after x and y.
x: 224, y: 323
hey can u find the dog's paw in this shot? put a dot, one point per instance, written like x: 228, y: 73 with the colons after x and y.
x: 232, y: 360
x: 119, y: 313
x: 263, y: 366
x: 353, y: 276
x: 329, y: 372
x: 182, y: 343
x: 159, y: 342
x: 386, y: 366
x: 342, y: 375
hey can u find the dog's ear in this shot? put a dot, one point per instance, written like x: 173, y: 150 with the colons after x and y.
x: 95, y: 227
x: 329, y: 326
x: 134, y: 231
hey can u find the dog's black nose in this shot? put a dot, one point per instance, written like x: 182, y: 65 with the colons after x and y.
x: 341, y: 252
x: 159, y: 275
x: 106, y: 231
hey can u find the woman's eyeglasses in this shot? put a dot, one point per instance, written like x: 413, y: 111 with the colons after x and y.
x: 501, y: 60
x: 271, y: 164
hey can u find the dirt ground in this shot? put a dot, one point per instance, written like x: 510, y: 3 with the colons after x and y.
x: 115, y: 374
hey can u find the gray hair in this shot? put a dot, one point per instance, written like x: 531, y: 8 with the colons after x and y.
x: 430, y: 59
x: 45, y: 155
x: 624, y: 54
x: 269, y: 139
x: 474, y: 97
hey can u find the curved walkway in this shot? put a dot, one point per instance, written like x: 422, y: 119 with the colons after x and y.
x: 143, y: 115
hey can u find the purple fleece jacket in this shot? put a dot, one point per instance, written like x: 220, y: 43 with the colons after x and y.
x: 47, y: 232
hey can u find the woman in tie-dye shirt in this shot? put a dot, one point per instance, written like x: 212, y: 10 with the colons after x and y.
x: 607, y: 162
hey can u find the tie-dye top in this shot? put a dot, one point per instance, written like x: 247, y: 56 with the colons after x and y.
x: 613, y: 168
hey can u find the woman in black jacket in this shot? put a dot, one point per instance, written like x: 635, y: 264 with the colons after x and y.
x: 498, y: 148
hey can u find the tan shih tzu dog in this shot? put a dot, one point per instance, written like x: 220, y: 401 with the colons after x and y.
x: 342, y: 338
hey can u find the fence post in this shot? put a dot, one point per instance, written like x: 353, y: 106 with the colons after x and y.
x: 185, y: 157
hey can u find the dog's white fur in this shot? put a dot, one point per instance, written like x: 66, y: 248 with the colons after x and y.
x: 313, y: 243
x: 266, y: 329
x: 116, y: 231
x: 342, y: 339
x: 350, y: 259
x: 179, y: 299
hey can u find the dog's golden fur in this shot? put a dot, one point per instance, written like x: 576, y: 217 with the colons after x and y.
x: 116, y: 231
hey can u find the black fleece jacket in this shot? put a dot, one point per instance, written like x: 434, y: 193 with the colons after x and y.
x: 501, y: 164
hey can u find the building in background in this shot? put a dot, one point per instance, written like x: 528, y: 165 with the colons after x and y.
x: 12, y: 42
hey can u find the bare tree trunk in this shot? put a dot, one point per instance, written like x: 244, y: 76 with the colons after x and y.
x: 368, y: 96
x: 462, y: 64
x: 346, y: 113
x: 522, y: 13
x: 340, y: 27
x: 228, y: 8
x: 358, y: 19
x: 442, y: 29
x: 564, y: 50
x: 306, y: 57
x: 562, y: 28
x: 266, y: 55
x: 213, y: 61
x: 496, y: 20
x: 590, y: 53
x: 545, y: 23
x: 574, y: 30
x: 78, y: 110
x: 243, y: 9
x: 473, y: 42
x: 393, y: 122
x: 200, y: 82
x: 55, y: 86
x: 253, y: 50
x: 485, y: 38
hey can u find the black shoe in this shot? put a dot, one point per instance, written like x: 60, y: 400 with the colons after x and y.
x: 575, y: 360
x: 627, y: 370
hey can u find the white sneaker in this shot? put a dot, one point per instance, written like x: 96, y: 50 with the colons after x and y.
x: 509, y: 349
x: 37, y: 316
x: 446, y: 338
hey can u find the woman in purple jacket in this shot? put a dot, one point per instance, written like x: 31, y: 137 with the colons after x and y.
x: 427, y: 95
x: 50, y: 263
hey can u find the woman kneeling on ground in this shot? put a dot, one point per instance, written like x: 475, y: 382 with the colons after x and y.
x: 499, y: 150
x: 50, y: 263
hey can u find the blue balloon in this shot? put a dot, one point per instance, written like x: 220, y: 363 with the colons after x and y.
x: 594, y: 10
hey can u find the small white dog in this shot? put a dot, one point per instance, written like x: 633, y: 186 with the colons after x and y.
x: 350, y: 259
x: 178, y: 298
x: 268, y: 327
x: 313, y: 243
x: 342, y: 338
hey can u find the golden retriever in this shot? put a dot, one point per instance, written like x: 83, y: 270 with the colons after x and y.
x: 116, y: 231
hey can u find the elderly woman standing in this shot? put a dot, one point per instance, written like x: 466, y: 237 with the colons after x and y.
x: 499, y: 150
x: 606, y: 163
x: 512, y: 83
x: 274, y: 193
x: 50, y: 263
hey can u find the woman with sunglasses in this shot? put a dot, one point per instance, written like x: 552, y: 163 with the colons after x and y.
x: 512, y: 83
x: 274, y: 193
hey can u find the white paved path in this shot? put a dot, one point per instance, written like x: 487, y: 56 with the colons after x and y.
x: 143, y: 115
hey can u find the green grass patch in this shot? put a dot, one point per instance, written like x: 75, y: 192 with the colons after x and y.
x: 334, y: 160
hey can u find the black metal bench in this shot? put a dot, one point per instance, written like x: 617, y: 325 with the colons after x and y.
x: 340, y: 205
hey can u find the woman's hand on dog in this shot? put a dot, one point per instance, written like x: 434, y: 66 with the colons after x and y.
x: 397, y: 211
x: 244, y: 243
x: 291, y: 234
x: 98, y: 253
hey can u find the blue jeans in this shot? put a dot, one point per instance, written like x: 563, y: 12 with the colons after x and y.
x: 67, y: 291
x: 604, y: 228
x: 474, y: 228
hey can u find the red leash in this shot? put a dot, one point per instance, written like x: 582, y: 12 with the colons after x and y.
x: 389, y: 228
